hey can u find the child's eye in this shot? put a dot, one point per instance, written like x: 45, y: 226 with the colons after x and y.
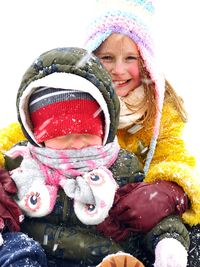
x: 106, y: 58
x: 131, y: 58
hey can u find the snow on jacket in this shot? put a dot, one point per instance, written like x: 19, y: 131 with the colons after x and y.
x: 47, y: 64
x: 171, y: 160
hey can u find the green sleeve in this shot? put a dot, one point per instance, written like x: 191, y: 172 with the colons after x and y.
x: 170, y: 227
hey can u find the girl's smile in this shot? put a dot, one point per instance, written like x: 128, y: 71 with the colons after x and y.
x: 119, y: 54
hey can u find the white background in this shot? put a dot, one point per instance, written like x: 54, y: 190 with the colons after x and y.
x: 29, y: 28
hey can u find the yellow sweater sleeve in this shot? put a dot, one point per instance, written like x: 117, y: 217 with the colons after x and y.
x: 173, y: 162
x: 9, y: 136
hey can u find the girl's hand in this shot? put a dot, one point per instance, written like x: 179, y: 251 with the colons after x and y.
x: 138, y: 207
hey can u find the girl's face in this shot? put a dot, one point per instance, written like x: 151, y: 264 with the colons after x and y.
x: 73, y: 141
x: 119, y: 54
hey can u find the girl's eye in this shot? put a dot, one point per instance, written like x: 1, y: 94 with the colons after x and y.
x: 131, y: 58
x: 33, y: 201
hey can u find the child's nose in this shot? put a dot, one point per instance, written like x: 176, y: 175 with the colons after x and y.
x: 77, y: 144
x: 118, y: 68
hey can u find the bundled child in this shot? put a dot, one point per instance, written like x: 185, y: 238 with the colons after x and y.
x: 72, y: 177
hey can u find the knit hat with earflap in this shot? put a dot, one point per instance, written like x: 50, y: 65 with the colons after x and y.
x: 57, y: 112
x: 133, y: 18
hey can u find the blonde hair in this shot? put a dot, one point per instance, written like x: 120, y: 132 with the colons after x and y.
x: 177, y: 100
x: 150, y: 100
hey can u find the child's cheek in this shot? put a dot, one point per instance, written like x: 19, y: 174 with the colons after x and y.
x: 134, y: 71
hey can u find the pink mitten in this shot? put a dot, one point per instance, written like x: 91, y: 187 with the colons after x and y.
x: 39, y: 200
x: 170, y: 252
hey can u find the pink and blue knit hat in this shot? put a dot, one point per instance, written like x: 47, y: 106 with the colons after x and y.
x: 135, y: 19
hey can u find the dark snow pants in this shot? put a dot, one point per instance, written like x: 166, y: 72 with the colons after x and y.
x: 18, y: 250
x: 193, y: 253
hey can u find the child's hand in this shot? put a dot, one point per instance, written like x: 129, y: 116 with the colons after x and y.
x: 39, y: 200
x: 78, y: 189
x: 97, y: 186
x: 6, y: 182
x: 141, y: 206
x: 10, y: 214
x: 138, y: 207
x: 170, y: 252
